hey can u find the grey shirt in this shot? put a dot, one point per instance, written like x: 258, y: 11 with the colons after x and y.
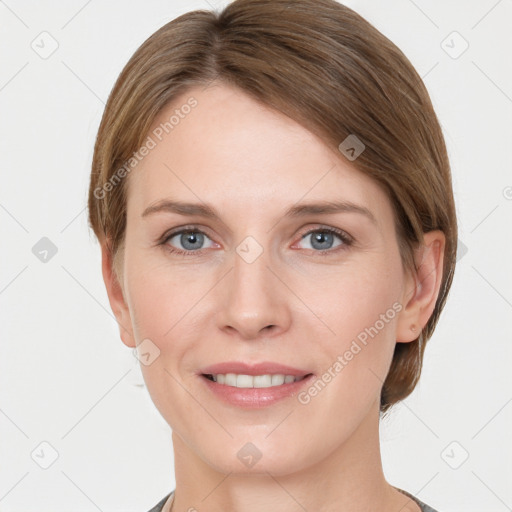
x: 424, y: 507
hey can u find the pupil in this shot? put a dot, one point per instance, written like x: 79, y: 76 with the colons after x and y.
x: 321, y: 238
x: 189, y: 239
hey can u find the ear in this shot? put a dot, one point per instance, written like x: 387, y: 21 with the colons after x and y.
x: 116, y: 297
x: 422, y: 287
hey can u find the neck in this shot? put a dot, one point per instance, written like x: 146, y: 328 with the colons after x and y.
x: 350, y: 478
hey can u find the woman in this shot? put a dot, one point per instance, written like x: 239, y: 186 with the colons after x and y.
x: 272, y: 195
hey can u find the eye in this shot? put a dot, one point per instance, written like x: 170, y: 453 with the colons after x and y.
x: 322, y: 239
x: 191, y: 239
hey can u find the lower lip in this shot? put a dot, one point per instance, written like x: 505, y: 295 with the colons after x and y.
x: 252, y: 398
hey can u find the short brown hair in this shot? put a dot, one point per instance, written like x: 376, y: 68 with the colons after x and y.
x: 324, y: 66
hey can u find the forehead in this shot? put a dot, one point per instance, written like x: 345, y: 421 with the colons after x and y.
x: 231, y: 151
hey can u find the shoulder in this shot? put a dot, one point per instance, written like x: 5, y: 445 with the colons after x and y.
x: 160, y: 505
x: 424, y: 507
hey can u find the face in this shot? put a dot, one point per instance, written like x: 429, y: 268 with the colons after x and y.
x: 263, y: 281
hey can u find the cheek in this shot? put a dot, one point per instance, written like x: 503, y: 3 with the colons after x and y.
x: 360, y: 309
x: 356, y: 298
x: 159, y: 296
x: 342, y: 302
x: 161, y: 302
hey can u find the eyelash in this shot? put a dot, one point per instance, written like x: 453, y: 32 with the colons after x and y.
x: 345, y: 238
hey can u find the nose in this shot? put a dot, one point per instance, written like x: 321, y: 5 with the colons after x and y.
x: 254, y: 301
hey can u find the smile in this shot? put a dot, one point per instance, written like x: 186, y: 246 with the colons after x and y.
x: 253, y: 381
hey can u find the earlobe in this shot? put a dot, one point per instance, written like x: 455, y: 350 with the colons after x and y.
x: 116, y: 297
x: 422, y: 287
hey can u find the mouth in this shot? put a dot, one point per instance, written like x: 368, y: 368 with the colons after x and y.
x: 253, y: 385
x: 253, y: 381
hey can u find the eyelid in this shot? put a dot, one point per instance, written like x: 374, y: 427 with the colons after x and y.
x: 348, y: 239
x: 164, y: 239
x: 345, y: 237
x: 178, y: 230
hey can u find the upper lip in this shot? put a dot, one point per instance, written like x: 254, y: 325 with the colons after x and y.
x: 262, y: 368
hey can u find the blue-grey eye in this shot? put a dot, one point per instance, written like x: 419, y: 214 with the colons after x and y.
x: 190, y: 240
x: 322, y: 239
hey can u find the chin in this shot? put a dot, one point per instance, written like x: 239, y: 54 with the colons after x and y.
x: 252, y: 456
x: 281, y: 466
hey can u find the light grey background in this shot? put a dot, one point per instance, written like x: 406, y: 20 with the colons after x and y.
x: 67, y: 380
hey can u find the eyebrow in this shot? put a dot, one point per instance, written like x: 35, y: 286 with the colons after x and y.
x: 299, y: 210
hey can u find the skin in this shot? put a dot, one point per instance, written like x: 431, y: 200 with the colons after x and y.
x: 251, y: 163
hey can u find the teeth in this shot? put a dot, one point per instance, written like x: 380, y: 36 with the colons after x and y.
x: 253, y: 381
